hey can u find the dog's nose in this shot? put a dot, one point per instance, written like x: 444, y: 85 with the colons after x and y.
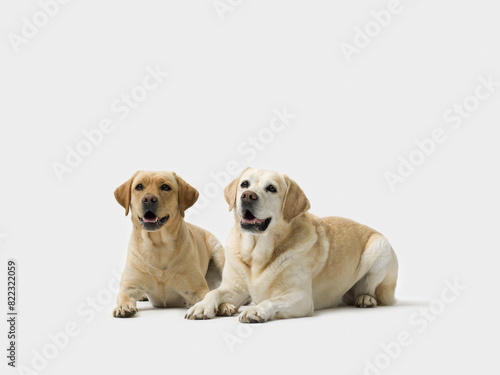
x: 149, y: 198
x: 248, y: 196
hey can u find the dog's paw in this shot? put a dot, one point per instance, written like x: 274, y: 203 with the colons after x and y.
x: 366, y: 301
x: 124, y: 311
x: 254, y: 314
x: 226, y: 309
x: 202, y: 310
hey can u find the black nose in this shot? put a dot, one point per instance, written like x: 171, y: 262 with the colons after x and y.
x: 248, y: 196
x: 150, y: 198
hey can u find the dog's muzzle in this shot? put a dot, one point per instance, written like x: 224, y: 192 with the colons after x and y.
x: 251, y: 223
x: 150, y: 221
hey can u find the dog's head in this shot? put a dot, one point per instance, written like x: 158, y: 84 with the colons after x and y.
x: 265, y: 199
x: 155, y: 198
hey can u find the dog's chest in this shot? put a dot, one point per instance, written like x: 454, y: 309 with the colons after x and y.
x: 158, y: 276
x: 159, y: 287
x: 161, y: 291
x: 258, y: 270
x: 162, y: 295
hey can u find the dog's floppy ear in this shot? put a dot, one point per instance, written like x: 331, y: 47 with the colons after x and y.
x: 230, y: 191
x: 122, y: 193
x: 296, y: 202
x: 188, y: 195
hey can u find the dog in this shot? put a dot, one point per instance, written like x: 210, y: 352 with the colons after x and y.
x: 170, y: 262
x: 290, y: 262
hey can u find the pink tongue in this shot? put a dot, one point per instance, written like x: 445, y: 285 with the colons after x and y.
x: 149, y: 220
x: 253, y: 221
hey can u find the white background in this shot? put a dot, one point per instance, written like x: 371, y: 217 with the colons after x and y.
x: 353, y: 120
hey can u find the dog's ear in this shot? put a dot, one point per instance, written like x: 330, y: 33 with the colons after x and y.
x: 230, y: 191
x: 296, y: 202
x: 122, y: 193
x: 188, y: 195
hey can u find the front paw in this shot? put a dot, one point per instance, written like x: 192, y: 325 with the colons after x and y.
x: 226, y: 309
x: 254, y: 314
x: 202, y: 310
x: 365, y: 301
x: 124, y: 311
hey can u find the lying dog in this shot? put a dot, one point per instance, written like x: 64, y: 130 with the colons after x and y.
x: 169, y: 261
x: 291, y: 262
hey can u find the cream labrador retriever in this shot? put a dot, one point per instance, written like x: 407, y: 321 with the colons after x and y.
x: 169, y: 261
x: 290, y: 262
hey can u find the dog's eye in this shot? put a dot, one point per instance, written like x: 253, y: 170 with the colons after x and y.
x: 244, y: 184
x: 165, y: 187
x: 139, y: 187
x: 271, y: 188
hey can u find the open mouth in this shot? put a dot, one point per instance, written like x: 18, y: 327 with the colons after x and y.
x: 151, y: 221
x: 250, y: 222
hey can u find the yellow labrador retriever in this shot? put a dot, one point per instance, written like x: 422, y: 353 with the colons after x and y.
x: 169, y: 261
x: 290, y: 262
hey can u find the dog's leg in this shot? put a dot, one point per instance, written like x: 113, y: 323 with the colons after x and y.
x: 223, y: 301
x: 295, y: 304
x: 127, y: 305
x: 191, y: 285
x: 384, y: 292
x: 378, y: 284
x: 292, y: 289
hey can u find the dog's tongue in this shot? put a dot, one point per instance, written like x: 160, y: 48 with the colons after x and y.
x: 149, y: 217
x: 248, y: 218
x: 244, y: 220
